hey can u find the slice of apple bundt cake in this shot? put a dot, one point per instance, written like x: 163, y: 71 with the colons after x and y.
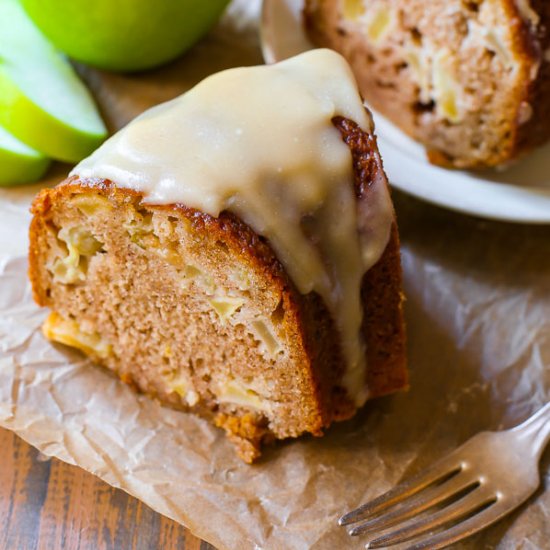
x: 234, y: 253
x: 468, y: 79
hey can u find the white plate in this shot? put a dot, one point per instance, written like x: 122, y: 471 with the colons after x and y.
x: 519, y: 194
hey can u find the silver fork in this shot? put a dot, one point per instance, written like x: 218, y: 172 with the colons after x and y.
x: 474, y: 486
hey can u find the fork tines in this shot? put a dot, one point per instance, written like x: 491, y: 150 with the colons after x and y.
x: 449, y: 492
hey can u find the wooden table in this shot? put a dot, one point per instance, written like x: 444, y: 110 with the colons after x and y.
x: 47, y: 504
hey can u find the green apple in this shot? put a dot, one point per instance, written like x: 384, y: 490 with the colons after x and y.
x: 42, y: 100
x: 18, y: 162
x: 124, y: 35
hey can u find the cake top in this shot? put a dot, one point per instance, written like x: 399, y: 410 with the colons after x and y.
x: 259, y: 142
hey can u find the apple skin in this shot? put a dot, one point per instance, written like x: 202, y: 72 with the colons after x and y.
x: 40, y: 130
x: 124, y: 35
x: 19, y: 163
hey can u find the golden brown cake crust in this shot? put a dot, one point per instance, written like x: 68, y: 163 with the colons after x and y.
x: 508, y: 113
x: 306, y: 321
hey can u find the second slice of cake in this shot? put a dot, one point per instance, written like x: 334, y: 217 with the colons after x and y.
x: 468, y: 79
x: 234, y: 253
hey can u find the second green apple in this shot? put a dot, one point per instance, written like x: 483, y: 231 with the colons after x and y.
x: 124, y: 35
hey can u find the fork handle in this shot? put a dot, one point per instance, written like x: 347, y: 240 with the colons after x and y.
x: 536, y: 430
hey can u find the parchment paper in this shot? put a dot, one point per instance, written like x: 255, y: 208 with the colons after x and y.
x: 478, y: 314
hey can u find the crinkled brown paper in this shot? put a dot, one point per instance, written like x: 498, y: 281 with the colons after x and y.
x: 478, y: 314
